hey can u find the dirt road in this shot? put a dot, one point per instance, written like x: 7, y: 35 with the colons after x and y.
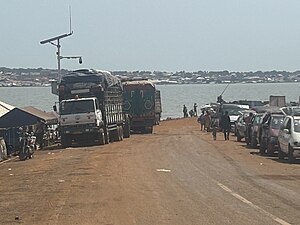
x: 176, y: 176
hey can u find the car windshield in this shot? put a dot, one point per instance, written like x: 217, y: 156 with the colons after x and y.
x: 234, y: 112
x: 74, y: 107
x: 297, y: 125
x: 276, y: 122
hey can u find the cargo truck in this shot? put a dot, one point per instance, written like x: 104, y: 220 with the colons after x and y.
x: 143, y: 105
x: 91, y: 108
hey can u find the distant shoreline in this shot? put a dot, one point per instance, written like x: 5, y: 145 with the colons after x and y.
x: 159, y: 83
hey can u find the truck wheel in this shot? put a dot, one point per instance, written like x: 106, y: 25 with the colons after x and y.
x: 281, y: 154
x: 291, y: 158
x: 149, y: 130
x: 66, y: 141
x: 126, y: 130
x: 106, y: 135
x: 101, y: 137
x: 121, y: 134
x: 114, y: 134
x: 270, y: 149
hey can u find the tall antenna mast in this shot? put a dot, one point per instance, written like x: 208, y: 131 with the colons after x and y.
x: 70, y: 14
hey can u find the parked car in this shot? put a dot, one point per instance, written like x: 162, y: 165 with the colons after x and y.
x: 269, y: 133
x: 255, y: 130
x: 234, y: 111
x: 291, y: 110
x: 241, y: 125
x: 289, y: 138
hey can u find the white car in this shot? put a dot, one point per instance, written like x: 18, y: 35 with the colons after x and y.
x: 289, y: 138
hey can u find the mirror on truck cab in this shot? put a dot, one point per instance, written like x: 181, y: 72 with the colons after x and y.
x: 54, y: 108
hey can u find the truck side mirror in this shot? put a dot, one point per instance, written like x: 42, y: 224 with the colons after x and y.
x: 54, y: 108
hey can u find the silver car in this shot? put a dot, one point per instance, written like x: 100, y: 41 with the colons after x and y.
x: 289, y: 138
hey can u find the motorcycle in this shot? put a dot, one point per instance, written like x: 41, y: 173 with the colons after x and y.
x: 27, y: 146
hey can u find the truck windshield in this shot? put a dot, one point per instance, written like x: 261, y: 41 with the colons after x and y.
x: 74, y: 107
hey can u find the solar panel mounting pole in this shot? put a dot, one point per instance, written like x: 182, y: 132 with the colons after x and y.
x: 58, y: 46
x: 57, y: 38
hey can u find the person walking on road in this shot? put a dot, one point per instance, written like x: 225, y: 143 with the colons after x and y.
x: 184, y: 110
x: 248, y: 121
x: 201, y: 120
x: 225, y: 125
x: 214, y: 131
x: 207, y: 122
x: 195, y: 109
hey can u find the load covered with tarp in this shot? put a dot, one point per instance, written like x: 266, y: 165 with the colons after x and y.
x: 90, y: 78
x: 86, y: 83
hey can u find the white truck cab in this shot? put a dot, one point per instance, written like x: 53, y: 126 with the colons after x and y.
x: 80, y: 117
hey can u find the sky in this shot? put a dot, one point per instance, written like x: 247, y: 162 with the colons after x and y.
x: 164, y: 35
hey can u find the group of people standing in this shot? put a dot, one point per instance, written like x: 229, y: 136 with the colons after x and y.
x: 210, y: 121
x: 207, y: 123
x: 192, y: 112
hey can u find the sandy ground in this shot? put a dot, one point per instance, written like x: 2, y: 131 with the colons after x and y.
x: 178, y: 175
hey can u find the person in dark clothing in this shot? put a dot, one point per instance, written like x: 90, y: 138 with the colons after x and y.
x: 184, y: 110
x: 39, y: 133
x: 225, y: 125
x: 195, y: 109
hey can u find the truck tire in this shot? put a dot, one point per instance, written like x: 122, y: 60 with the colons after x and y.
x: 121, y: 134
x: 66, y: 141
x: 126, y: 130
x: 281, y: 154
x: 149, y: 130
x: 101, y: 137
x: 106, y: 136
x: 291, y: 158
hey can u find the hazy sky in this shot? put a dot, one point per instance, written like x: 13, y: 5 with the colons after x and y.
x: 168, y: 35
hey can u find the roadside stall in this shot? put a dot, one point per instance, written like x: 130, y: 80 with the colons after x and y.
x: 27, y: 118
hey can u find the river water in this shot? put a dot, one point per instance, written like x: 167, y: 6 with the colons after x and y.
x: 173, y: 96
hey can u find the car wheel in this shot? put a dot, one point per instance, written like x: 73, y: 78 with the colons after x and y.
x: 270, y: 149
x: 291, y: 158
x: 281, y: 154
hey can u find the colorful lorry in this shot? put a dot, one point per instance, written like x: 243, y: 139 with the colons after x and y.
x: 143, y: 105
